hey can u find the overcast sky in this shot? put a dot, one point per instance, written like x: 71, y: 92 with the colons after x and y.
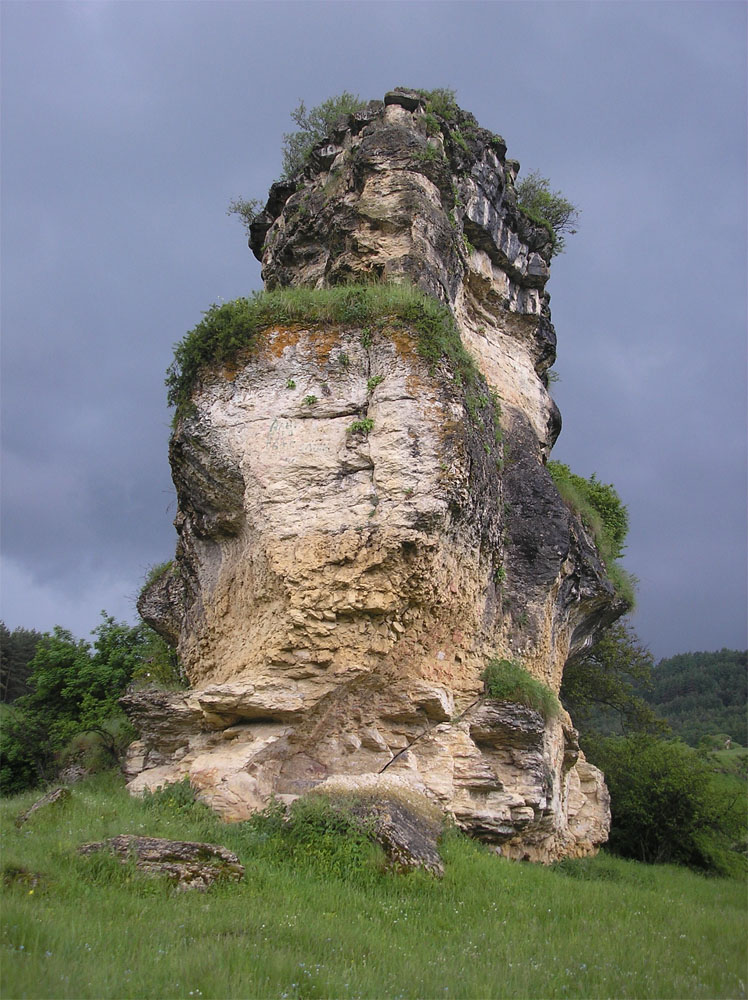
x: 128, y: 127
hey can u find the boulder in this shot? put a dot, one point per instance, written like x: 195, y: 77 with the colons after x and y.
x: 402, y: 819
x: 189, y: 865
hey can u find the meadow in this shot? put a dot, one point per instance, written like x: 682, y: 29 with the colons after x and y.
x: 335, y: 924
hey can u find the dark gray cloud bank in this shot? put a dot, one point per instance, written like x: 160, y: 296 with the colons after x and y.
x: 127, y: 128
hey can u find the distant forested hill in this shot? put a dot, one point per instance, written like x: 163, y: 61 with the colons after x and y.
x: 703, y: 694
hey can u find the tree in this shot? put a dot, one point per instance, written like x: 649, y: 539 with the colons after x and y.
x: 547, y: 208
x: 74, y: 688
x: 602, y: 688
x: 665, y: 805
x: 666, y: 801
x: 315, y: 125
x: 702, y: 694
x: 16, y: 652
x: 247, y: 209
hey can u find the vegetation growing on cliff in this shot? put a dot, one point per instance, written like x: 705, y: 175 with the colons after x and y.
x: 543, y: 206
x: 547, y: 208
x: 247, y: 209
x: 232, y: 327
x: 601, y: 509
x: 315, y: 125
x: 507, y: 680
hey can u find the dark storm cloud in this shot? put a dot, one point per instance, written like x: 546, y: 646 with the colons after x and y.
x: 127, y: 128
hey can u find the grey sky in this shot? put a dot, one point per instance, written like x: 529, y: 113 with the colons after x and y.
x: 128, y: 127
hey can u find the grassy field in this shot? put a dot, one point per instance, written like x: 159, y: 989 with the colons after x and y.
x: 491, y: 928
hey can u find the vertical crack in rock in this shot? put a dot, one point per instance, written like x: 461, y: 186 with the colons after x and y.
x: 354, y: 541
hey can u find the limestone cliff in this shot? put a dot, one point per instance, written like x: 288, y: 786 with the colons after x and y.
x: 355, y: 539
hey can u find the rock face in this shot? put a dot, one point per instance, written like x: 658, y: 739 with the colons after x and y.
x: 338, y: 588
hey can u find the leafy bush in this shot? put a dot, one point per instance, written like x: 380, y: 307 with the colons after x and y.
x: 428, y: 155
x: 363, y: 426
x: 314, y: 126
x: 74, y: 689
x: 315, y: 834
x: 507, y: 680
x: 247, y: 209
x: 665, y: 805
x: 598, y: 503
x: 600, y: 507
x: 547, y: 208
x: 441, y: 101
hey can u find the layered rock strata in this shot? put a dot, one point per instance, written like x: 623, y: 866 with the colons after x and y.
x: 355, y: 543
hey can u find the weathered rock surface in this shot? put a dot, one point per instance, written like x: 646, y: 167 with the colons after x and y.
x: 336, y: 594
x: 188, y: 864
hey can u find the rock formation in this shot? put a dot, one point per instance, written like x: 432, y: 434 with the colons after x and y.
x: 355, y: 544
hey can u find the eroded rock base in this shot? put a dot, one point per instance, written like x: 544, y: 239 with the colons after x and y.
x: 498, y: 770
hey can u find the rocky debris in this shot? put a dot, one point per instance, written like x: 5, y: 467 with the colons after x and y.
x: 189, y: 865
x: 53, y: 797
x: 71, y: 774
x: 335, y: 595
x: 403, y: 821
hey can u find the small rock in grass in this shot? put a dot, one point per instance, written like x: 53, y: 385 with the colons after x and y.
x: 190, y: 865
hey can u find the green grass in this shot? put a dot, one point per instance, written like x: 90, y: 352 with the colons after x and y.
x: 506, y: 680
x: 490, y: 928
x: 732, y: 761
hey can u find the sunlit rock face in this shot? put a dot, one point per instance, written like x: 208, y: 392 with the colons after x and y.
x: 339, y: 587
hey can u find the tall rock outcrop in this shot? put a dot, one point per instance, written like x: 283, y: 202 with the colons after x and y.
x: 356, y: 540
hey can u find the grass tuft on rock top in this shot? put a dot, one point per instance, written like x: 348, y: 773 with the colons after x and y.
x: 507, y: 680
x: 230, y: 328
